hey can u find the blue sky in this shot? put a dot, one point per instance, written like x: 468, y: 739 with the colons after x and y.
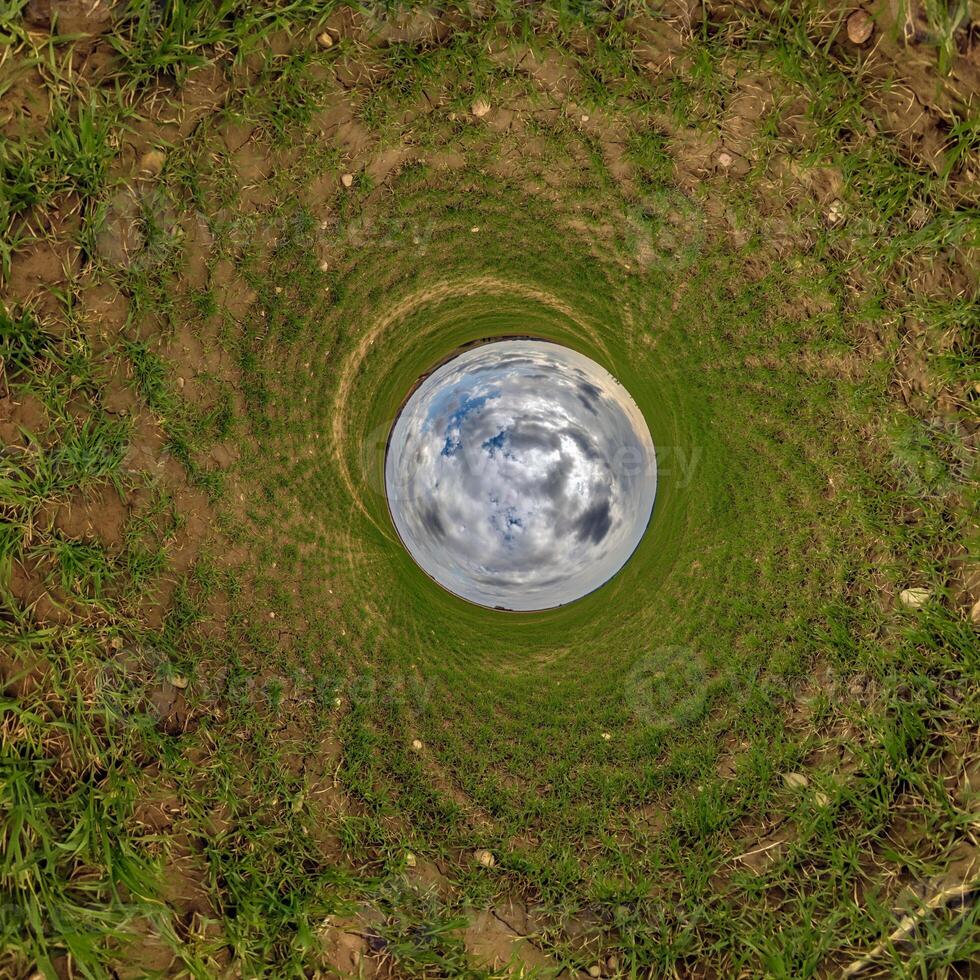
x: 521, y: 474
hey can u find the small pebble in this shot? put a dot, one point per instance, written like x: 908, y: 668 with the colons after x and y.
x: 325, y: 40
x: 347, y: 180
x: 595, y: 970
x: 725, y: 159
x: 913, y: 598
x: 795, y: 780
x: 860, y: 27
x: 417, y: 744
x: 485, y: 859
x: 152, y: 162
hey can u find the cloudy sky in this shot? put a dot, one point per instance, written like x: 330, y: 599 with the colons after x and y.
x: 521, y: 474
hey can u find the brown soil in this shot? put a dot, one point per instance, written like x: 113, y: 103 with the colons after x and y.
x: 20, y: 414
x: 494, y: 943
x: 102, y: 517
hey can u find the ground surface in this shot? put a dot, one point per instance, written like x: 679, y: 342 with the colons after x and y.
x: 243, y: 735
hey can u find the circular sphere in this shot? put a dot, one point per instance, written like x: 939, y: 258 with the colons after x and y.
x: 520, y: 475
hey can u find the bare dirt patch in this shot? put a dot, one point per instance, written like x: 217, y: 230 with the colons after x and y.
x: 102, y: 517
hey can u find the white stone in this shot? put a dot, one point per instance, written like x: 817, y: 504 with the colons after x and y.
x: 913, y: 598
x: 795, y: 780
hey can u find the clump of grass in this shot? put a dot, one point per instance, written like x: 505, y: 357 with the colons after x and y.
x: 71, y: 873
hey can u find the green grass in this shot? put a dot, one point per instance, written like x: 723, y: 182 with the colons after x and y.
x: 624, y: 758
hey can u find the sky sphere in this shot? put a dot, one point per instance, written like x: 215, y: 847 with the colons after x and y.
x: 520, y: 474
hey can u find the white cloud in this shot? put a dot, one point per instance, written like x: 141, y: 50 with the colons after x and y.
x: 521, y: 474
